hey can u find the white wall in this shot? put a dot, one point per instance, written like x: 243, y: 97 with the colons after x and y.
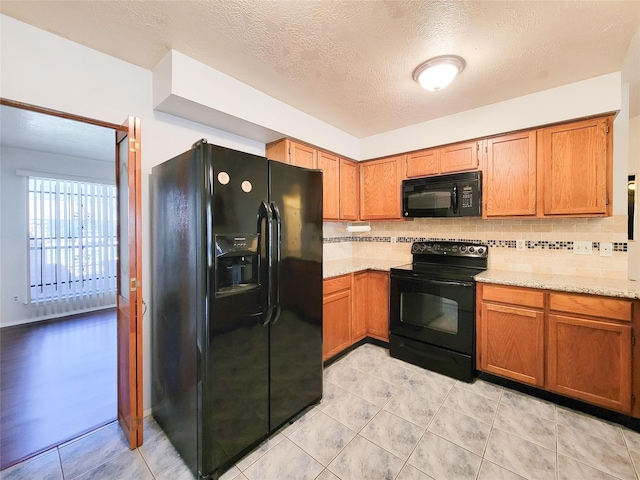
x: 13, y: 204
x: 634, y: 169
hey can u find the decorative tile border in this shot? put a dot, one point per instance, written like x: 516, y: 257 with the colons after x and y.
x: 529, y: 244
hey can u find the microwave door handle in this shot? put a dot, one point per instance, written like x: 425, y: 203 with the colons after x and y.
x: 454, y: 196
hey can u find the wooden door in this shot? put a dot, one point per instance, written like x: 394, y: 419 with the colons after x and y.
x: 510, y: 175
x: 512, y: 342
x: 380, y: 189
x: 336, y: 323
x: 590, y: 360
x: 336, y: 315
x: 302, y: 155
x: 360, y: 307
x: 459, y: 157
x: 348, y: 190
x: 576, y: 161
x: 330, y: 166
x: 129, y: 298
x: 423, y: 163
x: 378, y: 305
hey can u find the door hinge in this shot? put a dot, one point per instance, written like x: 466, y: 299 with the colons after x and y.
x: 133, y: 145
x: 606, y: 129
x: 135, y: 284
x: 633, y: 341
x: 606, y: 200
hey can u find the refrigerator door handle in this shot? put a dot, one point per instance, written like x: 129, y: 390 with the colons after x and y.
x: 277, y: 241
x: 266, y: 251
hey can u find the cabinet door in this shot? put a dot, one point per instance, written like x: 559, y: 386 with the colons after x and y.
x: 378, y: 305
x: 278, y: 151
x: 336, y: 323
x: 576, y: 162
x: 459, y: 157
x: 510, y: 175
x: 512, y: 343
x: 348, y: 190
x: 590, y: 360
x: 360, y: 306
x: 330, y: 166
x: 421, y: 164
x: 380, y: 186
x: 302, y: 155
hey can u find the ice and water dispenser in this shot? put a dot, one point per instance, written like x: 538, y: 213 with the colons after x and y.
x: 237, y: 263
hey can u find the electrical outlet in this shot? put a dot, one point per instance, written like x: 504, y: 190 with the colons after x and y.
x: 521, y: 245
x: 582, y: 248
x: 606, y: 249
x: 15, y: 299
x: 394, y: 240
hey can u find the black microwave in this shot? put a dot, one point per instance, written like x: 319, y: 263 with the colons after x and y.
x: 455, y: 195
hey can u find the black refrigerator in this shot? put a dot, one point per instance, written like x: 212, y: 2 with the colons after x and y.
x: 237, y: 301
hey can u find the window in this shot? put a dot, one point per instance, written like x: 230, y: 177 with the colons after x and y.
x: 72, y: 239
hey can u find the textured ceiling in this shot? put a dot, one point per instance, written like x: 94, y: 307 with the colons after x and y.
x: 348, y: 62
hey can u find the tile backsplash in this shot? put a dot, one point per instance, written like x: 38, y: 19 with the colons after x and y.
x: 548, y: 242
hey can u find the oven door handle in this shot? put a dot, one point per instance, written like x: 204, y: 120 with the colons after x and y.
x: 418, y: 278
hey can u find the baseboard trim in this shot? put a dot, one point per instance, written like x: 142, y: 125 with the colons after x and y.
x: 359, y: 343
x: 600, y: 412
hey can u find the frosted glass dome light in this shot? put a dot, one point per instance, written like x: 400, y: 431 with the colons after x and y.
x: 438, y: 72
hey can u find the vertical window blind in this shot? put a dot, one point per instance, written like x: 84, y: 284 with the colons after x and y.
x: 72, y: 242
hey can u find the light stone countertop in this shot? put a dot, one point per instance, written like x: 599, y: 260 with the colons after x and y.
x: 564, y: 283
x: 335, y: 268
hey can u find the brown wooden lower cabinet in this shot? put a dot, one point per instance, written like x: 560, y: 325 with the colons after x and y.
x: 590, y: 360
x: 577, y: 345
x: 336, y: 313
x: 513, y: 342
x: 354, y: 306
x: 378, y: 305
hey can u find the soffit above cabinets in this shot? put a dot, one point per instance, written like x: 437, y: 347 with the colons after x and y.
x: 349, y: 63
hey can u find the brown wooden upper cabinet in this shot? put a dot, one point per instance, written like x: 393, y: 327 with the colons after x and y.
x: 510, y: 175
x: 339, y: 179
x: 422, y: 163
x: 288, y: 151
x: 349, y: 205
x: 576, y: 163
x: 380, y: 189
x: 458, y: 157
x: 330, y: 166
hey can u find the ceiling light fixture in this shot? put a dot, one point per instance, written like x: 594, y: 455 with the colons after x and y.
x: 438, y: 72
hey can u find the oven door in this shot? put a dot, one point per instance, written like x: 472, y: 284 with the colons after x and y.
x: 437, y: 312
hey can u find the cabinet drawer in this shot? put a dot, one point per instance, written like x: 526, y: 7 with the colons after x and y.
x: 513, y: 295
x: 336, y: 284
x: 594, y: 306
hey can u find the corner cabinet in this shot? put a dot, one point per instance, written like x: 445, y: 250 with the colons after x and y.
x: 355, y: 306
x: 380, y: 189
x: 577, y: 345
x: 339, y: 176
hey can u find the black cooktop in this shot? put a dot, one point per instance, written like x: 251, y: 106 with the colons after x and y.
x: 456, y: 261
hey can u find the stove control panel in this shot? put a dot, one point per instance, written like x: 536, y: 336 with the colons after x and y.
x: 455, y: 249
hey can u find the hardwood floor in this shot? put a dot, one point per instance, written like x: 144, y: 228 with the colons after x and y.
x: 58, y: 380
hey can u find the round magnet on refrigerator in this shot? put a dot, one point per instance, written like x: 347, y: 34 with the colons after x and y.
x: 246, y: 186
x: 223, y: 178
